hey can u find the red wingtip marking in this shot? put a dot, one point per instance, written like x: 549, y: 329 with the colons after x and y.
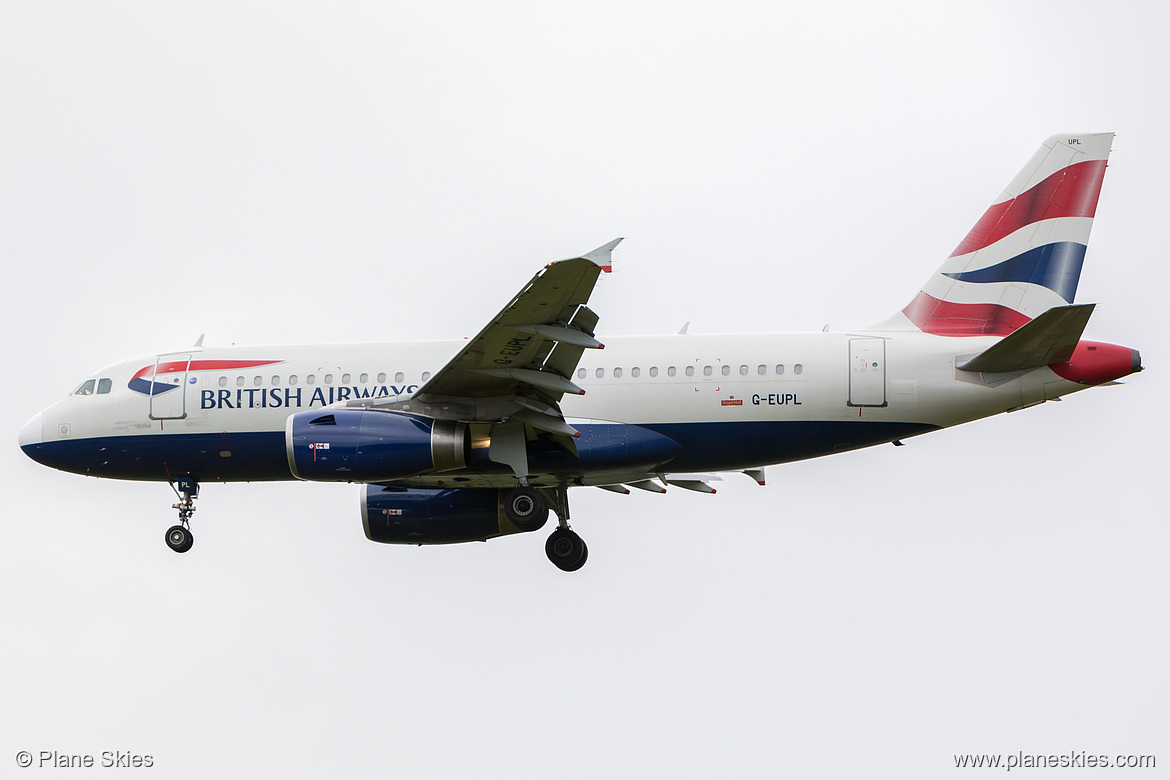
x: 601, y: 346
x: 576, y: 434
x: 607, y: 269
x: 714, y: 491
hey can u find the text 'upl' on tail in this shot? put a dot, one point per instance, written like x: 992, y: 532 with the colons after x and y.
x: 1024, y: 256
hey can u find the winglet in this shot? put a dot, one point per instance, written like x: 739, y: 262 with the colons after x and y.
x: 601, y: 255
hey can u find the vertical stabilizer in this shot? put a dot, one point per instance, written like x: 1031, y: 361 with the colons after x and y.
x: 1024, y: 256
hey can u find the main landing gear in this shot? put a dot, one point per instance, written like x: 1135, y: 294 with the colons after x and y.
x: 527, y: 508
x: 566, y: 549
x: 179, y: 536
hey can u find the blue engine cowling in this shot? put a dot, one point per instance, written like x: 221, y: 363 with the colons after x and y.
x: 425, y: 516
x: 366, y: 445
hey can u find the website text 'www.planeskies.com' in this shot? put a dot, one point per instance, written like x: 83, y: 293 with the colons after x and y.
x: 1071, y: 760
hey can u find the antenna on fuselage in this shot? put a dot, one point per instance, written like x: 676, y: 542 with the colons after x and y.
x: 199, y: 341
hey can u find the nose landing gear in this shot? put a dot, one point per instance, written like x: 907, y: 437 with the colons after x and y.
x: 179, y: 536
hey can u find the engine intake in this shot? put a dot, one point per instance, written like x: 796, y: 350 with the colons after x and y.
x: 366, y: 445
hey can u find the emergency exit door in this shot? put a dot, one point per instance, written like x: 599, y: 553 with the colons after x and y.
x: 867, y: 372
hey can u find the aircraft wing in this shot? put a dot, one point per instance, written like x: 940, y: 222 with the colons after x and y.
x: 519, y: 366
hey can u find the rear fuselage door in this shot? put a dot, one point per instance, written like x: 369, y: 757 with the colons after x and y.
x: 168, y: 387
x: 867, y: 372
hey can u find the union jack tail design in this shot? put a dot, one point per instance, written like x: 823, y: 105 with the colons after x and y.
x: 1024, y: 255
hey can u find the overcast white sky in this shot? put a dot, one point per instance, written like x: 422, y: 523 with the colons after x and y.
x: 291, y: 172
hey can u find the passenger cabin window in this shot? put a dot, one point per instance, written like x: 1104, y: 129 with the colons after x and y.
x: 382, y: 378
x: 426, y: 375
x: 292, y: 380
x: 635, y: 371
x: 399, y: 377
x: 726, y: 370
x: 780, y: 368
x: 599, y: 373
x: 311, y: 379
x: 762, y: 369
x: 275, y: 381
x: 328, y: 379
x: 223, y: 381
x: 86, y: 387
x: 653, y: 370
x: 580, y: 373
x: 743, y: 370
x: 239, y: 381
x: 798, y: 369
x: 690, y: 370
x: 363, y: 379
x: 104, y: 386
x: 345, y: 379
x: 706, y: 370
x: 617, y: 373
x: 257, y: 381
x: 670, y: 371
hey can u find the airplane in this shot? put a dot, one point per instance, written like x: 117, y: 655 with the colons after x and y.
x: 469, y: 440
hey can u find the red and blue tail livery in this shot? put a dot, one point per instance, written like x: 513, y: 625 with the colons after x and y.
x: 1024, y: 256
x: 458, y: 441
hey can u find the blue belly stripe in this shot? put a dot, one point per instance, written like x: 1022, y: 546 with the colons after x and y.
x: 238, y: 457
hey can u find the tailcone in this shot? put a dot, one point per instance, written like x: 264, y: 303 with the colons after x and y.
x: 1094, y: 363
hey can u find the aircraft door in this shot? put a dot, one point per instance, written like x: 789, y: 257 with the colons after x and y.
x: 168, y: 387
x: 867, y: 372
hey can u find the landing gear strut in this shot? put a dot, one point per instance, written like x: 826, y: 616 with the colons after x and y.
x: 179, y: 536
x: 564, y: 547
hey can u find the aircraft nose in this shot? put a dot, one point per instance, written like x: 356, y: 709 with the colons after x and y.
x: 33, y: 431
x: 1136, y: 361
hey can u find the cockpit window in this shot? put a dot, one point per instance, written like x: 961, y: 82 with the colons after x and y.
x: 86, y: 388
x: 104, y: 386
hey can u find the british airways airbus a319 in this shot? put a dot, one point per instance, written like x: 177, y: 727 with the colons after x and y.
x: 469, y: 440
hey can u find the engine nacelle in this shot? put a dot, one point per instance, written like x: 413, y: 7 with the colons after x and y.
x: 367, y: 445
x: 425, y: 516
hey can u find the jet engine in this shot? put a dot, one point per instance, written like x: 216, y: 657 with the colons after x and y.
x: 367, y: 445
x: 441, y: 516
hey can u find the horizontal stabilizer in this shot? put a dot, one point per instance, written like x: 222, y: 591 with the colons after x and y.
x: 1050, y: 338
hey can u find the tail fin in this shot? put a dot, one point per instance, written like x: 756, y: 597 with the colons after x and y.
x: 1024, y: 256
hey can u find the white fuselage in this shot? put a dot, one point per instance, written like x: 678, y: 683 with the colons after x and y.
x: 731, y: 401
